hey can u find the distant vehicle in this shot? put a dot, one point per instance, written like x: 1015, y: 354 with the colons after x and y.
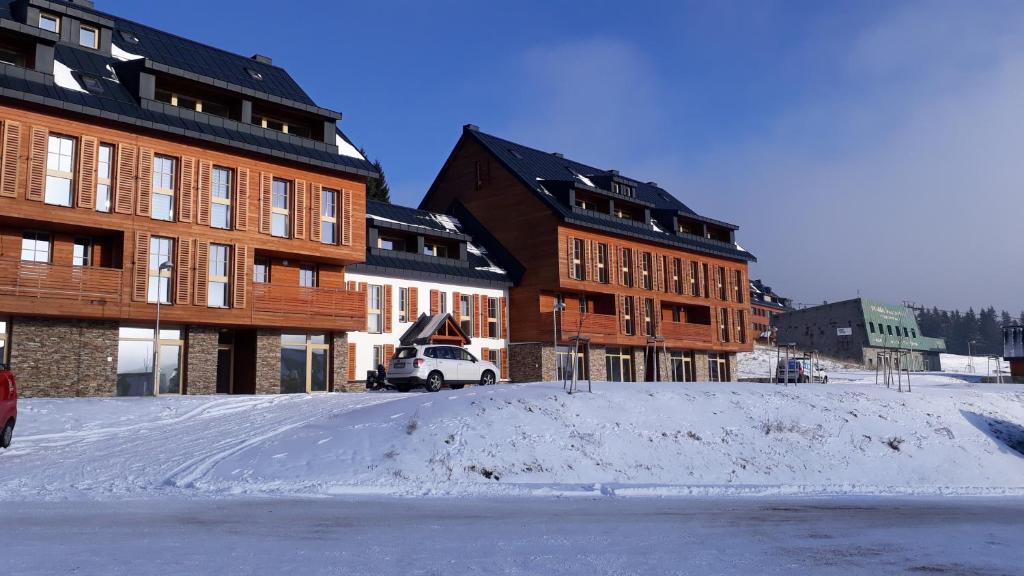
x: 8, y: 406
x: 433, y: 366
x: 799, y: 370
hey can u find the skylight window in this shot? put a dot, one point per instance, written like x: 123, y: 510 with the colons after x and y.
x: 254, y: 74
x: 92, y: 83
x: 129, y: 37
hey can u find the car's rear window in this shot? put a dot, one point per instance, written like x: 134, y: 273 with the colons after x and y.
x: 405, y: 353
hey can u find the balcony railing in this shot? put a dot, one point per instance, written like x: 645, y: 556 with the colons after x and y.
x: 593, y: 324
x: 78, y: 283
x: 333, y: 303
x: 691, y: 332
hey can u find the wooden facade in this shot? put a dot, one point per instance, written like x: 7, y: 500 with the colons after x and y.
x: 112, y: 284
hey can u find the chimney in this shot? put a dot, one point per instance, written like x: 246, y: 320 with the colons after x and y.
x: 558, y: 155
x: 263, y: 59
x: 471, y: 128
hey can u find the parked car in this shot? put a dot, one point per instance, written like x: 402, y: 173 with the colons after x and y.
x: 432, y: 366
x: 799, y: 370
x: 8, y: 406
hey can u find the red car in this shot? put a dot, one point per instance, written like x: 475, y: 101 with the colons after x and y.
x: 8, y: 406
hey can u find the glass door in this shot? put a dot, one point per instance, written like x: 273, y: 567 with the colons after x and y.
x: 317, y: 368
x: 225, y: 373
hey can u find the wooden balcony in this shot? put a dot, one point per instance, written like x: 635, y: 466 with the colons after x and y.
x: 332, y: 308
x: 701, y: 333
x: 85, y: 284
x: 594, y: 325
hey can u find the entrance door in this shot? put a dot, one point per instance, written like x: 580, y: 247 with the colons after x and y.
x: 318, y: 367
x: 225, y: 369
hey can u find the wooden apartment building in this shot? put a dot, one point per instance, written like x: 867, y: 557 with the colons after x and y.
x: 137, y: 166
x: 659, y: 291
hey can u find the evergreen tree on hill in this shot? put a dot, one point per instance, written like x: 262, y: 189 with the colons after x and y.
x: 377, y: 188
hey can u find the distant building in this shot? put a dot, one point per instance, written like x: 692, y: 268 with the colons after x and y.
x: 858, y: 330
x: 1013, y: 350
x: 765, y: 305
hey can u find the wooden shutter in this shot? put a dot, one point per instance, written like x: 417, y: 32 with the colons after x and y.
x: 456, y: 308
x: 568, y: 257
x: 205, y: 192
x: 346, y: 217
x: 37, y: 164
x: 315, y: 191
x: 240, y: 276
x: 589, y: 263
x: 388, y: 295
x: 299, y: 218
x: 483, y: 331
x: 266, y: 183
x: 414, y: 304
x: 241, y: 203
x: 145, y: 197
x: 87, y: 173
x: 202, y: 271
x: 10, y: 169
x: 389, y: 351
x: 187, y: 189
x: 638, y: 266
x: 140, y: 278
x: 183, y: 272
x: 622, y: 314
x: 351, y: 362
x: 502, y: 318
x: 504, y: 364
x: 435, y: 302
x: 124, y: 189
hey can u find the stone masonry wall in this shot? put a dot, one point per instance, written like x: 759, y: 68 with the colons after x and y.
x: 530, y: 362
x: 268, y: 361
x: 340, y: 360
x: 201, y: 360
x: 64, y: 358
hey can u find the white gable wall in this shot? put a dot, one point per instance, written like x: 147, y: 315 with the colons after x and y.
x: 365, y: 341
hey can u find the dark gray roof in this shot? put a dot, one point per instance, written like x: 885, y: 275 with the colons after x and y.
x: 405, y: 215
x: 227, y: 70
x: 424, y: 328
x: 533, y: 167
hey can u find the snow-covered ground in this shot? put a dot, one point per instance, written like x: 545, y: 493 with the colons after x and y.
x: 850, y: 437
x: 762, y: 361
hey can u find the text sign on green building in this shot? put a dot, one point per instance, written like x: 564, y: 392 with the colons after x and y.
x: 896, y: 327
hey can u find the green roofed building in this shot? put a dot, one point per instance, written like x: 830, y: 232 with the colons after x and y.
x: 857, y: 330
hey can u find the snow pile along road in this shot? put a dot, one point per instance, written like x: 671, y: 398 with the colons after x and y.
x: 946, y: 437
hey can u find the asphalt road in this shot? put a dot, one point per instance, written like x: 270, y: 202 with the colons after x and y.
x: 522, y: 536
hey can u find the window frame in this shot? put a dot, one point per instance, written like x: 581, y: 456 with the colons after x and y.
x: 466, y: 313
x: 57, y: 22
x: 626, y: 267
x: 646, y: 264
x: 602, y: 263
x: 160, y: 160
x: 37, y: 237
x: 577, y: 266
x: 277, y: 211
x: 57, y: 173
x: 95, y: 36
x: 257, y: 263
x: 328, y: 221
x: 628, y: 316
x: 404, y: 309
x: 224, y: 279
x: 375, y: 312
x: 155, y: 272
x: 215, y: 200
x: 86, y: 244
x: 309, y: 271
x: 105, y: 180
x: 493, y: 326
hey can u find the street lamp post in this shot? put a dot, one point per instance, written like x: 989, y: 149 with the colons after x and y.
x: 165, y: 267
x: 559, y: 307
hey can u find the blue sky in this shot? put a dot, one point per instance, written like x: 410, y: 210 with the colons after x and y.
x: 863, y: 147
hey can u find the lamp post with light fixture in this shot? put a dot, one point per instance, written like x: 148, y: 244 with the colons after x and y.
x: 165, y: 267
x: 559, y: 307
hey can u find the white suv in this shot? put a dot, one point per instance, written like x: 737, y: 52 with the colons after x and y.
x: 432, y: 366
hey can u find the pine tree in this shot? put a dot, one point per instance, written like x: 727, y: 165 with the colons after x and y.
x: 990, y: 337
x: 377, y: 188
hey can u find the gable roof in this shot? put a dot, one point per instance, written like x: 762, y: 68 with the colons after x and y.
x: 425, y: 328
x: 535, y: 167
x: 159, y: 50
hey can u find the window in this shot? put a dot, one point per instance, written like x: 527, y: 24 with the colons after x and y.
x: 261, y: 271
x: 217, y: 286
x: 304, y: 363
x: 35, y: 247
x: 722, y: 295
x: 328, y: 216
x: 623, y: 189
x: 645, y: 271
x: 220, y: 197
x: 723, y: 324
x: 82, y: 255
x: 13, y: 57
x: 872, y: 326
x: 307, y: 276
x: 3, y: 342
x: 466, y: 313
x: 163, y: 188
x: 677, y: 314
x: 375, y: 309
x: 60, y: 170
x: 741, y: 326
x: 49, y: 22
x: 650, y: 328
x: 737, y: 286
x: 279, y: 208
x: 576, y: 266
x: 718, y: 368
x: 602, y: 263
x: 104, y: 178
x: 889, y: 328
x: 913, y: 332
x: 395, y: 244
x: 627, y: 315
x: 694, y: 278
x: 906, y: 333
x: 135, y: 359
x: 707, y: 282
x: 494, y: 357
x: 677, y: 275
x: 92, y: 83
x: 682, y: 366
x: 627, y: 267
x: 404, y: 309
x: 435, y: 250
x: 492, y: 318
x: 619, y: 364
x: 442, y: 302
x: 88, y: 37
x: 583, y: 304
x: 161, y: 250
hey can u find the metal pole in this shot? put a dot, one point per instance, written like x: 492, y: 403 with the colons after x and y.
x: 156, y: 333
x: 558, y: 307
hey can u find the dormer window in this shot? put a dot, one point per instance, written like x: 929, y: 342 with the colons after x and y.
x: 89, y: 37
x: 435, y: 250
x: 198, y: 104
x: 49, y: 22
x: 623, y: 190
x: 92, y: 83
x: 281, y: 126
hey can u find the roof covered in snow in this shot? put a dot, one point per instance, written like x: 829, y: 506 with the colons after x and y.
x: 87, y: 82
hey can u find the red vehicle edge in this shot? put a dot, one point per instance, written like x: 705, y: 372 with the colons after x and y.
x: 8, y: 406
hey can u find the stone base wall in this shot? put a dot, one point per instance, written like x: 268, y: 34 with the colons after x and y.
x: 700, y: 360
x: 340, y: 360
x: 268, y: 361
x: 64, y: 358
x: 734, y: 367
x: 201, y: 360
x: 530, y: 362
x: 598, y: 363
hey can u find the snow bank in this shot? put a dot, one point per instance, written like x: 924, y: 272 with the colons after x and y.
x: 947, y: 437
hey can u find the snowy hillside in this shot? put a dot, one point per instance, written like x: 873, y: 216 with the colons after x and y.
x: 762, y: 361
x: 947, y: 437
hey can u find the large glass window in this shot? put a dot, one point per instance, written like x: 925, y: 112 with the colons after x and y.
x: 677, y: 276
x: 220, y: 196
x: 135, y: 359
x: 718, y: 368
x: 722, y: 293
x: 627, y: 267
x: 578, y: 263
x: 723, y: 324
x: 737, y: 285
x: 493, y: 330
x: 82, y: 255
x: 404, y: 310
x: 328, y: 216
x: 619, y: 364
x: 35, y: 247
x: 602, y: 263
x: 88, y: 37
x: 694, y: 276
x: 161, y: 250
x: 217, y: 285
x: 307, y: 275
x: 375, y: 309
x: 163, y: 188
x: 645, y: 271
x: 466, y: 313
x: 261, y: 270
x: 304, y: 363
x: 49, y: 22
x: 104, y: 177
x: 649, y: 326
x: 682, y: 366
x: 60, y: 170
x: 707, y: 282
x: 280, y: 208
x: 628, y: 316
